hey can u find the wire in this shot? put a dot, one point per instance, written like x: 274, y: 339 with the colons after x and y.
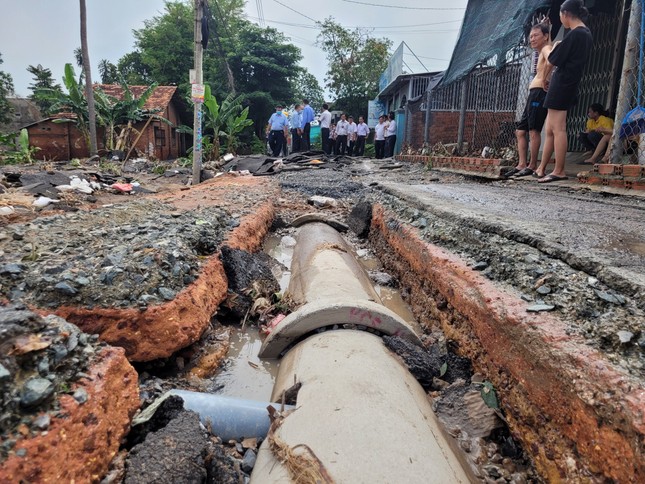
x: 295, y: 11
x: 385, y: 28
x: 403, y: 7
x: 426, y: 57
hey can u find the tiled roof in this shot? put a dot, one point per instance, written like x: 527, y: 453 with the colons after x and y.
x: 160, y: 98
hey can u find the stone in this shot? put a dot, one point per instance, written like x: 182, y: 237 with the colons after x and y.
x: 166, y: 294
x: 35, y: 391
x: 248, y: 462
x: 609, y: 297
x: 65, y: 288
x: 42, y: 422
x: 537, y: 308
x: 526, y: 297
x: 480, y: 266
x: 12, y: 269
x: 544, y: 290
x: 80, y: 395
x: 592, y: 281
x: 82, y: 281
x: 382, y: 278
x: 625, y: 336
x: 359, y: 219
x: 5, y: 375
x: 322, y: 202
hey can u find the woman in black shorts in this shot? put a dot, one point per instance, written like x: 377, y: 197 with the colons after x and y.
x: 568, y: 60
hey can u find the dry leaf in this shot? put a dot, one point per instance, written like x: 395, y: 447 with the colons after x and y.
x: 27, y: 344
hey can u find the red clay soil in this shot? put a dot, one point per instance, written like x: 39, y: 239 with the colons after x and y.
x: 80, y: 446
x: 159, y: 331
x: 579, y: 416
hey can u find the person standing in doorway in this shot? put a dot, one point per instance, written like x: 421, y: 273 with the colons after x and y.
x: 351, y: 137
x: 342, y: 130
x: 535, y: 113
x: 277, y: 131
x: 362, y: 132
x: 568, y: 58
x: 307, y: 116
x: 325, y: 124
x: 295, y: 124
x: 379, y: 138
x: 390, y: 137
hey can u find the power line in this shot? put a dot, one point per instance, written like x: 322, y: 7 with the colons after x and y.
x: 295, y: 11
x: 403, y: 7
x: 385, y: 28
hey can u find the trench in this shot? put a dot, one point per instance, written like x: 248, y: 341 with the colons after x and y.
x: 482, y: 440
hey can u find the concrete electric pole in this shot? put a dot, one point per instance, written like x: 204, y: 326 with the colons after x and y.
x: 198, y: 94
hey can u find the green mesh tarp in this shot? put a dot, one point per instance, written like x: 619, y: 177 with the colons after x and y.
x: 490, y: 27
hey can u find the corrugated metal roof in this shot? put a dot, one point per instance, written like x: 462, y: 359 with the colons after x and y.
x: 160, y: 98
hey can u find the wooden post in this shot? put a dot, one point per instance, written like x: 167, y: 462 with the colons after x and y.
x: 199, y: 79
x: 462, y: 114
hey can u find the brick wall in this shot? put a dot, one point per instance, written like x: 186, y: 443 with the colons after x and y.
x: 490, y: 128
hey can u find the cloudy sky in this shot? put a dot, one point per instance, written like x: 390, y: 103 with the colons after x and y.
x: 47, y: 31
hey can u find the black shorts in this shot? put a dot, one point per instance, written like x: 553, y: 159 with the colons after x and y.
x: 534, y: 113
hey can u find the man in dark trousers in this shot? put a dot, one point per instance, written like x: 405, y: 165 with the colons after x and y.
x: 296, y: 131
x: 325, y: 124
x: 307, y: 116
x: 362, y: 132
x: 277, y: 130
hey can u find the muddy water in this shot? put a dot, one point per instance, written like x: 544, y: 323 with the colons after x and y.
x: 245, y: 375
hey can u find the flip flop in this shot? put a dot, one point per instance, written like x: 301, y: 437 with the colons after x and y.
x: 513, y: 172
x: 524, y: 172
x: 552, y: 178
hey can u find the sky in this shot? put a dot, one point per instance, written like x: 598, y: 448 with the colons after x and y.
x: 47, y: 31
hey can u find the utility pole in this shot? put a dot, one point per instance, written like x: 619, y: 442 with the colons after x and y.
x: 197, y: 89
x: 462, y: 114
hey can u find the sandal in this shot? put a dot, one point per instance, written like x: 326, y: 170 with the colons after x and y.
x: 552, y: 178
x: 524, y: 172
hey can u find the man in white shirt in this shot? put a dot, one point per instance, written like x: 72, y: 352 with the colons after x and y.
x: 351, y: 137
x: 342, y: 130
x: 295, y: 121
x: 379, y: 138
x: 362, y: 132
x: 325, y: 123
x: 390, y: 137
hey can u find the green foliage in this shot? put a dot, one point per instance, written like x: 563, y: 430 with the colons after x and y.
x: 43, y: 80
x: 109, y: 72
x: 370, y: 151
x: 118, y: 115
x: 6, y: 91
x: 443, y: 369
x: 22, y: 152
x: 355, y: 63
x: 489, y: 395
x: 307, y: 87
x: 226, y: 121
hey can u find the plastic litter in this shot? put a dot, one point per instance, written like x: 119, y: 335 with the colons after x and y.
x: 41, y: 202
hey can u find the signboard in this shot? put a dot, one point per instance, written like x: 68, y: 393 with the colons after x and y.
x: 393, y: 70
x: 197, y: 93
x: 374, y: 109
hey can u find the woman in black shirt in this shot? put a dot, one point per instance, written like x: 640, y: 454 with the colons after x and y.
x: 567, y: 59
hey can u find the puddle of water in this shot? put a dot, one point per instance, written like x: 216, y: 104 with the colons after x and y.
x: 245, y: 375
x: 392, y: 300
x: 281, y: 249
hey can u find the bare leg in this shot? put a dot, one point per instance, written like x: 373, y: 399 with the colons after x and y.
x: 522, y: 147
x: 547, y: 152
x: 536, y: 140
x: 600, y: 149
x: 560, y: 140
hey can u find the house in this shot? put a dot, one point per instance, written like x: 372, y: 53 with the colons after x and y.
x: 484, y: 89
x: 63, y: 141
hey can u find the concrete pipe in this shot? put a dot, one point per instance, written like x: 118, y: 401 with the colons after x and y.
x: 360, y: 416
x: 333, y: 289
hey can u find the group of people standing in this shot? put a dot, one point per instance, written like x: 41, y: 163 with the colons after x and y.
x: 553, y: 91
x: 298, y: 124
x: 344, y: 137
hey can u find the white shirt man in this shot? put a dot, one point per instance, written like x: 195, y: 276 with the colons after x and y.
x: 379, y: 131
x: 325, y: 123
x: 325, y: 119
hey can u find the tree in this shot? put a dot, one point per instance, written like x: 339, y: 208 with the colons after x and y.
x: 73, y: 101
x: 6, y: 90
x: 355, y: 63
x: 43, y: 79
x: 109, y: 72
x: 134, y: 70
x: 89, y: 93
x: 307, y: 87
